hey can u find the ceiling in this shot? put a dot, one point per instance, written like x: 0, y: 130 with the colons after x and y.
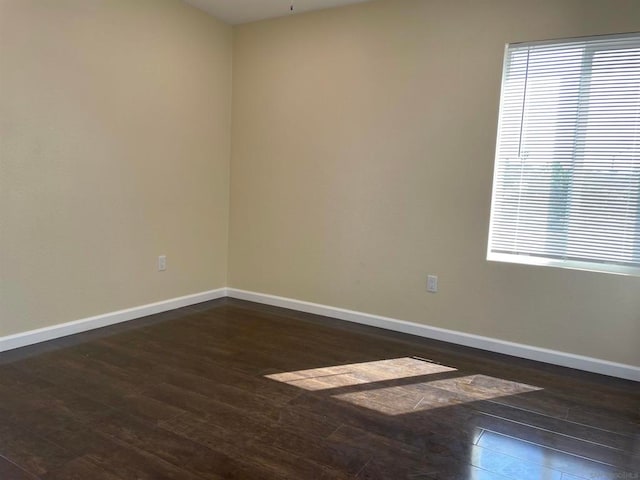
x: 235, y: 12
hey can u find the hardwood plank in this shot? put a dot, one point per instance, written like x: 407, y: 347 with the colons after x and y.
x: 31, y: 452
x: 118, y: 458
x: 11, y: 471
x: 231, y: 389
x: 81, y: 469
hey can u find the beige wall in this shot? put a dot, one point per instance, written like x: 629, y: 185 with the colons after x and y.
x: 363, y: 145
x: 114, y: 149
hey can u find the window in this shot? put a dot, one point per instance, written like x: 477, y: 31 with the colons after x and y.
x: 566, y: 186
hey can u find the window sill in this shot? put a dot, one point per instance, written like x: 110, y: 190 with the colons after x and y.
x: 568, y: 264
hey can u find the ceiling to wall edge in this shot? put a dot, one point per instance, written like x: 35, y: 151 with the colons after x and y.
x: 237, y: 12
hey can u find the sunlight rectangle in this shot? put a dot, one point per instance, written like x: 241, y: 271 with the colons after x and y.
x: 427, y: 395
x: 359, y: 373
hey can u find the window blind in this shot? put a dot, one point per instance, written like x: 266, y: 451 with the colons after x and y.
x: 567, y: 174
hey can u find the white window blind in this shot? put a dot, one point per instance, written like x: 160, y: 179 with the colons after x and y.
x: 567, y: 175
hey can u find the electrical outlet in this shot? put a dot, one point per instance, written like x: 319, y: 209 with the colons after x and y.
x: 162, y: 263
x: 432, y: 284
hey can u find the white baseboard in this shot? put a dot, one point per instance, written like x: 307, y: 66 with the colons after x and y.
x: 530, y: 352
x: 56, y: 331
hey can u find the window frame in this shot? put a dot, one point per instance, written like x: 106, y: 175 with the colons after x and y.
x: 547, y: 261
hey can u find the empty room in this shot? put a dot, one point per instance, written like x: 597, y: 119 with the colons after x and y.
x: 319, y: 239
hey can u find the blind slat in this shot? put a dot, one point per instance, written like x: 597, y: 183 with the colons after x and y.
x: 567, y: 175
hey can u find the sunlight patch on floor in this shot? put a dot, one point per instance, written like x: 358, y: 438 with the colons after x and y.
x: 426, y: 395
x: 418, y: 392
x: 359, y: 373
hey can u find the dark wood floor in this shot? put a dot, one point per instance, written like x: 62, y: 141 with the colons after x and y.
x: 233, y: 390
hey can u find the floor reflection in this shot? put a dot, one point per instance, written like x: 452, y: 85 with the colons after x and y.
x: 513, y: 457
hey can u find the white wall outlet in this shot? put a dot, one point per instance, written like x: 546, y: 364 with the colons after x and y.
x: 432, y: 283
x: 162, y: 263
